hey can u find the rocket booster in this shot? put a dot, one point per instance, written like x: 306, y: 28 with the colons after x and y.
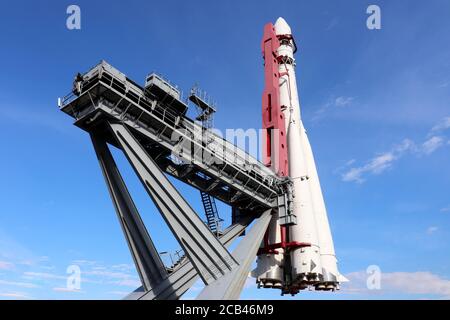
x: 313, y: 264
x: 306, y: 262
x: 270, y: 262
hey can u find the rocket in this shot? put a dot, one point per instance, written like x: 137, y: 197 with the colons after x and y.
x: 292, y: 257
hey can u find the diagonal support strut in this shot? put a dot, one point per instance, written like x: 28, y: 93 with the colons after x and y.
x: 185, y: 276
x: 230, y: 286
x: 208, y: 255
x: 148, y: 263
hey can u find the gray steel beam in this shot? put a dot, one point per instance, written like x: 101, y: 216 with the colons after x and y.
x: 230, y: 286
x: 207, y: 254
x: 255, y: 181
x: 148, y: 263
x: 185, y: 276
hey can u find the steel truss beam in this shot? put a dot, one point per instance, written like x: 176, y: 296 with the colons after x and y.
x: 108, y: 94
x: 207, y: 254
x: 146, y: 258
x: 156, y: 282
x: 185, y: 276
x: 230, y: 286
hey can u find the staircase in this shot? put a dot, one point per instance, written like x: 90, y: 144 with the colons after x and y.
x: 177, y: 263
x: 213, y: 221
x: 212, y: 216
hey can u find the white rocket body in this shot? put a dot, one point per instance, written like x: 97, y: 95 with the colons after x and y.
x: 306, y: 256
x: 315, y: 264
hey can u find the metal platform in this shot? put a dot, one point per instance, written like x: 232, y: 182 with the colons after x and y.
x: 218, y: 167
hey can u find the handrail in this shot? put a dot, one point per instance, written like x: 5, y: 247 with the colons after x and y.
x: 219, y: 146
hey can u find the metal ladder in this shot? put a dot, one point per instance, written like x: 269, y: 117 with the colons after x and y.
x: 213, y: 220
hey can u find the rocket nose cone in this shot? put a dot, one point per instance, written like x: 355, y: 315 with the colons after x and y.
x: 281, y: 27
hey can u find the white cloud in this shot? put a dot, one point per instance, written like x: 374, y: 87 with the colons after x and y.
x: 375, y: 166
x: 48, y: 267
x: 432, y: 230
x: 4, y: 265
x: 445, y: 209
x: 432, y: 144
x: 379, y: 163
x: 343, y: 101
x: 30, y: 275
x: 385, y: 160
x: 108, y: 274
x: 417, y: 283
x: 99, y: 268
x: 18, y: 284
x: 339, y: 102
x: 65, y: 289
x: 83, y: 262
x: 127, y: 283
x: 354, y: 174
x: 14, y: 295
x: 42, y: 275
x: 123, y: 267
x: 444, y: 124
x: 14, y: 252
x: 119, y: 278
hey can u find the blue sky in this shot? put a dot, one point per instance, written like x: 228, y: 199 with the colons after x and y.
x: 375, y: 103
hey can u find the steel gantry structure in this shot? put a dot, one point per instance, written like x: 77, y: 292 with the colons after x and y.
x: 149, y: 124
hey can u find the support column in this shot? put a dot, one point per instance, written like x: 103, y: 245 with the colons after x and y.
x: 146, y: 258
